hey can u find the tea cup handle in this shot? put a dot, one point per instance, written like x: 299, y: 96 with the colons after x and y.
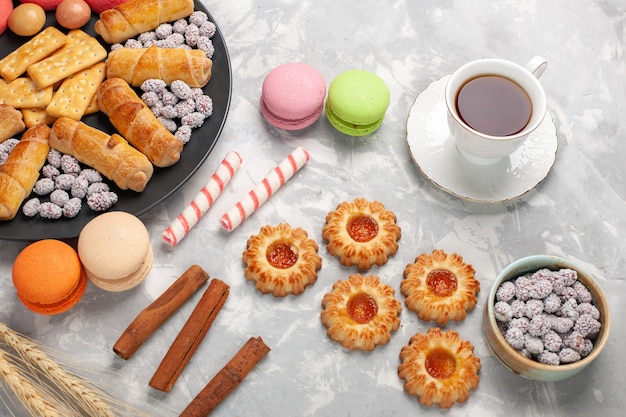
x: 537, y: 65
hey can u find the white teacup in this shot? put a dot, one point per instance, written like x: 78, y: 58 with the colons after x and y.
x: 483, y: 148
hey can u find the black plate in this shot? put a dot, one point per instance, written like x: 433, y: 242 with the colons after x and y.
x: 165, y: 181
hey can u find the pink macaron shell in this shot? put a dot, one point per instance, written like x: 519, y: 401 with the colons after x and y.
x: 290, y: 124
x: 292, y: 96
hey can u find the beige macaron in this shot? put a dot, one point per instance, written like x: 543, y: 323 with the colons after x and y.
x: 115, y: 251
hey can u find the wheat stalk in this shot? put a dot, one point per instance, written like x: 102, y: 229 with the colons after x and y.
x: 73, y: 386
x: 30, y: 396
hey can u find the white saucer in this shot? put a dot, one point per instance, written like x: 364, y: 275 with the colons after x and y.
x: 434, y: 152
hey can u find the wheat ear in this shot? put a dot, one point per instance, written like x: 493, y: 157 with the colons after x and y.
x: 73, y: 386
x: 30, y: 397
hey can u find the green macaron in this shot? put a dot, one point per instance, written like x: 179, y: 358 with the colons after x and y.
x: 357, y: 101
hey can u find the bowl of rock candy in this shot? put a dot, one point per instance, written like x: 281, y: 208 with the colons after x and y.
x: 546, y: 318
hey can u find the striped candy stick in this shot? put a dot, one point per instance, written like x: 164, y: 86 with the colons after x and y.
x: 205, y: 198
x: 264, y: 190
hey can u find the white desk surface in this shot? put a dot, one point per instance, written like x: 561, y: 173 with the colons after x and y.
x: 578, y: 212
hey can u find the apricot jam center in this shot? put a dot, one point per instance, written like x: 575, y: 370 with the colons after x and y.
x: 362, y: 228
x: 362, y: 308
x: 440, y: 363
x: 281, y: 255
x: 441, y: 282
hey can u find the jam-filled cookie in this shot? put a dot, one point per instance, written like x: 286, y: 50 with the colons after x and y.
x: 440, y: 287
x: 361, y: 233
x: 282, y: 260
x: 361, y: 312
x: 439, y: 368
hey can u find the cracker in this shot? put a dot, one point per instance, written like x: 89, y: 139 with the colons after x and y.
x: 76, y: 93
x: 93, y: 106
x: 37, y: 48
x: 75, y: 36
x: 37, y: 115
x: 81, y: 53
x: 24, y: 93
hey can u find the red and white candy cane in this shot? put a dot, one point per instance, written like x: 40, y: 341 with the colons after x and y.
x: 205, y: 198
x: 264, y: 190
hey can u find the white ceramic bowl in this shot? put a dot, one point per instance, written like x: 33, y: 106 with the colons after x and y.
x: 530, y: 368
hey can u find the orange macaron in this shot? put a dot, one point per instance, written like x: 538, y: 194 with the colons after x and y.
x: 49, y: 277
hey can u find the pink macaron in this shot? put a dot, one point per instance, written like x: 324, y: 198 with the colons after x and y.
x: 292, y: 96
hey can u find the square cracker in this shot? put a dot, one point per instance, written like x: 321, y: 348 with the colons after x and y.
x: 77, y: 92
x: 24, y: 93
x: 37, y: 115
x: 37, y: 48
x: 81, y: 52
x: 76, y: 36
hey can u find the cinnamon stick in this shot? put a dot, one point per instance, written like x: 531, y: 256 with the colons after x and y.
x: 190, y: 336
x: 153, y: 316
x: 227, y: 379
